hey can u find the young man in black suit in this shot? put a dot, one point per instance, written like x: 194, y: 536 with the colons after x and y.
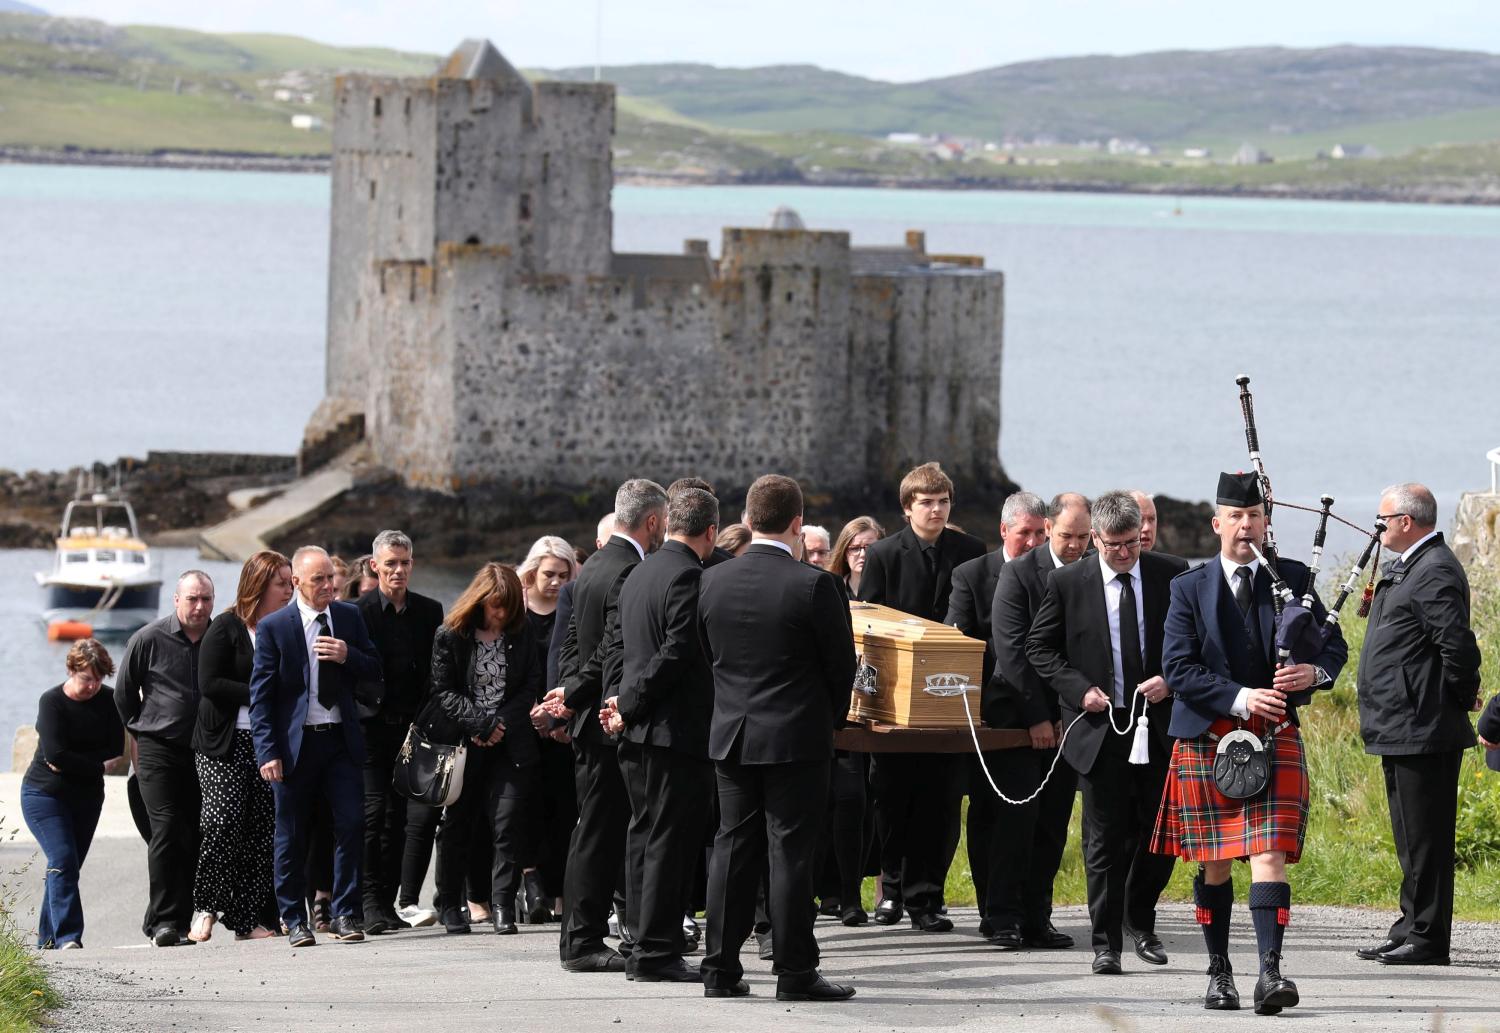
x: 917, y: 795
x: 1097, y: 641
x: 1418, y: 680
x: 1027, y: 844
x: 781, y: 644
x: 590, y: 664
x: 662, y: 715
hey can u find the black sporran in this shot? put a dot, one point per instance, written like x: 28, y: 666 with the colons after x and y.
x: 1242, y: 765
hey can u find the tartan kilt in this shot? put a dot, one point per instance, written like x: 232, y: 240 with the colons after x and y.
x: 1199, y: 823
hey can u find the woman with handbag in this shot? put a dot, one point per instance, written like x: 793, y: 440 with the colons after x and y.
x: 486, y: 677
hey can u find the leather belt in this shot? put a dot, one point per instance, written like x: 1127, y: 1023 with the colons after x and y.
x: 325, y: 727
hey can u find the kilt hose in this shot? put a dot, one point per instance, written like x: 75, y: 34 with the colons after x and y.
x: 1199, y: 823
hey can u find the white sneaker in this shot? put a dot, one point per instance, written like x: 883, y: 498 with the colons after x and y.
x: 417, y: 917
x: 71, y: 945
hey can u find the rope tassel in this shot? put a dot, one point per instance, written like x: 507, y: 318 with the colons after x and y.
x: 1140, y: 748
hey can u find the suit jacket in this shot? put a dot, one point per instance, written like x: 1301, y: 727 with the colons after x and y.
x: 1069, y: 646
x: 666, y: 684
x: 896, y: 574
x: 559, y: 634
x: 781, y: 643
x: 1195, y: 650
x: 1017, y: 697
x: 405, y: 689
x: 279, y: 687
x: 453, y: 688
x: 1419, y: 668
x: 589, y: 659
x: 969, y: 603
x: 225, y: 658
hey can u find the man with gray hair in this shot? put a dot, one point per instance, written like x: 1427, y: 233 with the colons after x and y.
x: 817, y: 547
x: 1097, y: 642
x: 1418, y: 680
x: 1148, y: 518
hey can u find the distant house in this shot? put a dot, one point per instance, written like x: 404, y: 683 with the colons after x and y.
x: 1197, y: 152
x: 284, y: 95
x: 904, y: 138
x: 1249, y: 154
x: 310, y: 123
x: 1354, y: 150
x: 948, y: 150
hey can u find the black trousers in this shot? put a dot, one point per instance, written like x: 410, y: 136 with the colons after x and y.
x: 669, y: 793
x: 385, y: 814
x: 1025, y: 845
x: 552, y: 814
x: 918, y: 797
x: 596, y: 852
x: 773, y: 811
x: 494, y: 798
x: 1422, y: 791
x: 1125, y: 878
x: 846, y: 842
x: 421, y: 832
x: 168, y: 779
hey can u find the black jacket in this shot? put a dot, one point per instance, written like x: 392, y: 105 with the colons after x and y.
x: 969, y: 603
x: 407, y: 666
x: 225, y: 657
x: 666, y: 685
x: 1018, y: 697
x: 589, y: 661
x: 1419, y: 668
x: 453, y: 689
x: 563, y: 618
x: 1489, y: 727
x: 1069, y: 646
x: 896, y: 573
x: 781, y: 643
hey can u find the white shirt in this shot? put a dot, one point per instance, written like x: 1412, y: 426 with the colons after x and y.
x: 317, y: 714
x: 633, y: 543
x: 1055, y: 561
x: 1241, y: 707
x: 1113, y: 592
x: 1417, y: 545
x: 783, y: 546
x: 242, y: 718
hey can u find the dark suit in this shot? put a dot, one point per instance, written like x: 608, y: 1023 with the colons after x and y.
x: 666, y: 699
x: 780, y: 640
x: 315, y: 762
x: 1070, y: 648
x: 1418, y: 679
x: 560, y: 624
x: 589, y: 663
x: 917, y: 795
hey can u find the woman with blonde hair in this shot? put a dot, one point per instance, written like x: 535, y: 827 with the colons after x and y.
x: 733, y: 539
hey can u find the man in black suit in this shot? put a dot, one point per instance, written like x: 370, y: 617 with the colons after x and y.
x: 1028, y: 841
x: 401, y: 624
x: 662, y: 715
x: 1418, y: 680
x: 917, y: 795
x: 1096, y: 641
x: 590, y: 663
x: 782, y: 647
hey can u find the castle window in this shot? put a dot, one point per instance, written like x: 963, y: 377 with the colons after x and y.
x: 525, y: 204
x: 377, y: 107
x: 372, y: 190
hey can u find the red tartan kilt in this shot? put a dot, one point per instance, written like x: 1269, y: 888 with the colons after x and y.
x: 1198, y: 823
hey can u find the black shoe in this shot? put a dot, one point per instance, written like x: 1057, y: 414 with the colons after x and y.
x: 1221, y: 994
x: 672, y: 972
x: 1374, y: 953
x: 301, y: 936
x: 377, y: 923
x: 1007, y: 938
x: 740, y: 989
x: 829, y: 907
x: 346, y: 929
x: 852, y: 916
x: 931, y: 922
x: 322, y: 914
x: 1048, y: 938
x: 888, y: 912
x: 455, y: 920
x: 1148, y: 947
x: 536, y: 907
x: 766, y: 942
x: 1272, y: 992
x: 1411, y: 954
x: 821, y: 990
x: 600, y: 961
x: 166, y: 935
x: 1106, y: 963
x: 985, y: 929
x: 395, y: 921
x: 503, y: 924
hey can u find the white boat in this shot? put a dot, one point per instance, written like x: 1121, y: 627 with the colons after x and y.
x: 102, y: 575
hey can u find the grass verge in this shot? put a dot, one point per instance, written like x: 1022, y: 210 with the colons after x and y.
x: 25, y: 994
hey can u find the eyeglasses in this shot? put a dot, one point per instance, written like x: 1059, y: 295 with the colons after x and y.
x: 1134, y: 543
x: 857, y: 548
x: 1389, y: 516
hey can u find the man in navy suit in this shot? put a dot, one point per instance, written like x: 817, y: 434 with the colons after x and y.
x: 309, y: 657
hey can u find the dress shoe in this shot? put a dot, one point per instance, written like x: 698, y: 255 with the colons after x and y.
x: 1374, y: 953
x: 852, y: 916
x: 600, y: 961
x: 1221, y: 994
x: 1148, y: 947
x: 166, y: 935
x: 986, y: 930
x: 346, y: 929
x: 1272, y: 991
x: 1007, y: 938
x: 1106, y: 963
x: 820, y: 990
x: 766, y: 944
x: 1048, y: 938
x: 829, y: 907
x: 673, y: 972
x: 888, y: 912
x: 536, y: 906
x: 931, y: 922
x: 455, y: 921
x: 301, y: 936
x: 378, y: 924
x: 395, y: 921
x: 503, y: 924
x: 740, y: 989
x: 1411, y: 954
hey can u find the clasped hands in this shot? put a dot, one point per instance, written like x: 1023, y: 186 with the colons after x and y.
x: 609, y: 716
x: 1154, y: 689
x: 493, y: 738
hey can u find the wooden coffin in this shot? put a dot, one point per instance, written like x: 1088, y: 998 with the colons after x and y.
x: 902, y: 655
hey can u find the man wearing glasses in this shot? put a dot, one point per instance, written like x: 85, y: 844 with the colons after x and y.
x: 1097, y: 641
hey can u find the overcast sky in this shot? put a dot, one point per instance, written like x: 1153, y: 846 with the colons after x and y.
x: 883, y: 39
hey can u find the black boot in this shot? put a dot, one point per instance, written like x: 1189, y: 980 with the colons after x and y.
x: 1221, y: 995
x: 1272, y: 991
x: 537, y: 909
x: 504, y: 916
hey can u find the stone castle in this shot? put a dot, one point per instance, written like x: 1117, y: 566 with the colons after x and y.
x: 490, y: 337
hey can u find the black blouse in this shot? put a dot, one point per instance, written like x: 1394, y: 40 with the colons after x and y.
x: 76, y: 737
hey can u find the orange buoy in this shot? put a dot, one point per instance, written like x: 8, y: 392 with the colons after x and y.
x: 69, y: 631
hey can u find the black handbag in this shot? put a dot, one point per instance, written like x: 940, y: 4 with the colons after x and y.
x: 429, y: 772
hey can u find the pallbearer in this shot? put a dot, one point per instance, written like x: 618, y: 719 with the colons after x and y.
x: 1218, y: 657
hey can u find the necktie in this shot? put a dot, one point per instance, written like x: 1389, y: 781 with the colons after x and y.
x: 327, y: 694
x: 1134, y: 668
x: 1242, y: 596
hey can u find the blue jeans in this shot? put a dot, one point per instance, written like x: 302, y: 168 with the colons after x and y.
x: 64, y: 826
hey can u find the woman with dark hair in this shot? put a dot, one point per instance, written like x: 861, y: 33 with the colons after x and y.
x: 79, y: 740
x: 486, y: 677
x: 238, y: 818
x: 360, y: 579
x: 848, y: 557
